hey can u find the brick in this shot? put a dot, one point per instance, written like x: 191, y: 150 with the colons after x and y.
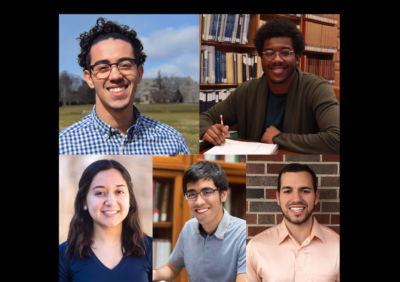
x: 322, y: 218
x: 254, y: 230
x: 324, y: 168
x: 261, y: 180
x: 330, y: 207
x: 274, y: 168
x: 302, y: 158
x: 330, y: 194
x: 251, y: 218
x: 330, y: 181
x: 252, y: 193
x: 331, y: 158
x: 264, y: 207
x: 270, y: 193
x: 272, y: 158
x: 266, y: 219
x: 254, y: 168
x: 335, y: 219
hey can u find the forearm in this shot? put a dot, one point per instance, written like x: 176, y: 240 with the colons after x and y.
x: 327, y: 142
x: 167, y: 272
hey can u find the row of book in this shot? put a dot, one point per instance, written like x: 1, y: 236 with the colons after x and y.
x: 228, y: 67
x: 327, y: 18
x: 320, y: 38
x: 161, y: 252
x: 208, y: 98
x: 230, y: 28
x: 161, y: 194
x: 321, y: 66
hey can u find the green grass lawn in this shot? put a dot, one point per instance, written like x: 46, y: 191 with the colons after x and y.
x: 182, y: 117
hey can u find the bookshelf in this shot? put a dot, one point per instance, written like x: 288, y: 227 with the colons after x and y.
x: 168, y: 174
x: 321, y: 57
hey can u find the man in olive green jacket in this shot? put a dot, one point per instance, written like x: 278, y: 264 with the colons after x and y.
x: 296, y: 110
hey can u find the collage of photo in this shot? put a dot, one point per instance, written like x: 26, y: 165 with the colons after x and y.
x: 199, y: 147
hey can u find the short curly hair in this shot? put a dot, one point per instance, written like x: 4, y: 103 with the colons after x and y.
x: 104, y: 30
x: 279, y: 27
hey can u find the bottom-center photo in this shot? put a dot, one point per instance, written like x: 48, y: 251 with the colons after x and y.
x: 199, y: 218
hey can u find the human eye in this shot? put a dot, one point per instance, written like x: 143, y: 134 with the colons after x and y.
x: 99, y: 193
x: 126, y: 64
x: 102, y: 68
x: 191, y: 195
x: 269, y: 53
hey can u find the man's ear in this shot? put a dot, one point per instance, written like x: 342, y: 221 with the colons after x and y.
x: 140, y: 73
x: 88, y: 78
x: 224, y: 195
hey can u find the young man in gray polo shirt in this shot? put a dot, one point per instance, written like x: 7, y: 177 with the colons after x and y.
x: 212, y: 245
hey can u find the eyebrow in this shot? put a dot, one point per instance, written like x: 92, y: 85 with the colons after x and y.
x: 290, y: 187
x: 108, y: 61
x: 101, y: 186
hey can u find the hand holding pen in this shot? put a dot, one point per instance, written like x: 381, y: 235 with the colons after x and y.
x: 217, y: 133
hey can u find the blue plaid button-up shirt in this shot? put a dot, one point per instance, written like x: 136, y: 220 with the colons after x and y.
x: 146, y: 136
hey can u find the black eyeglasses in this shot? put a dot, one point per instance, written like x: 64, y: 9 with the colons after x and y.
x: 125, y: 66
x: 205, y: 193
x: 284, y: 53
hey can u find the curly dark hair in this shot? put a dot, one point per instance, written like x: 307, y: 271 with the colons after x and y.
x: 279, y: 27
x: 104, y: 30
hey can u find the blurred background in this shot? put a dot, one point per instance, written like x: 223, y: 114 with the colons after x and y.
x: 71, y: 169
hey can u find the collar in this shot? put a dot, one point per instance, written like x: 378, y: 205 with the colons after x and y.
x: 107, y: 130
x: 222, y: 226
x: 316, y: 231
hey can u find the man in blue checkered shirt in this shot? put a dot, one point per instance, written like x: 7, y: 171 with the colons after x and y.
x: 112, y: 59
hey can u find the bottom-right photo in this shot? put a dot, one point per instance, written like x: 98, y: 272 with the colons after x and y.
x: 293, y: 217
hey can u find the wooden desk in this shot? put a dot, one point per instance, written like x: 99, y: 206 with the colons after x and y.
x: 207, y: 146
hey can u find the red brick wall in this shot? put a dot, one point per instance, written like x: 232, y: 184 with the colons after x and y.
x: 262, y: 172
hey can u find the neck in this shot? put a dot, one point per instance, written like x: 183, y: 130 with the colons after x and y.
x: 107, y: 235
x: 211, y: 227
x: 120, y: 119
x: 300, y: 231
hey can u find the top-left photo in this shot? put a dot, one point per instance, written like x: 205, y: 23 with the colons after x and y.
x: 128, y: 84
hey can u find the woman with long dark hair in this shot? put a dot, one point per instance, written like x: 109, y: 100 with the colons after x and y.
x: 105, y: 240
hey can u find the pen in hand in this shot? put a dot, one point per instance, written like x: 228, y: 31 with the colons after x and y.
x: 221, y: 119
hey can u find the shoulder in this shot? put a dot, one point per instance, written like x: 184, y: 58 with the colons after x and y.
x: 330, y: 235
x: 264, y: 236
x: 312, y: 82
x: 157, y: 127
x: 76, y: 128
x: 251, y: 85
x: 62, y: 247
x: 237, y: 224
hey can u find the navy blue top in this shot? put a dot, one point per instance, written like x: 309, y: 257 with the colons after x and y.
x: 275, y: 110
x: 93, y: 270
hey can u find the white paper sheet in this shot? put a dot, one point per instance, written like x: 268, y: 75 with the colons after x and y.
x: 234, y: 147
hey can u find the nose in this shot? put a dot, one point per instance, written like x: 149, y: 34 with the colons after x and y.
x: 115, y: 74
x: 110, y: 199
x: 277, y: 57
x: 199, y: 200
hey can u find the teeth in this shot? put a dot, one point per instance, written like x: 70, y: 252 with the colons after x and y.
x: 110, y: 212
x: 116, y: 89
x: 297, y: 209
x: 201, y: 211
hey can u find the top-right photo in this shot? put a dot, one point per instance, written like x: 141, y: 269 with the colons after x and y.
x: 269, y: 83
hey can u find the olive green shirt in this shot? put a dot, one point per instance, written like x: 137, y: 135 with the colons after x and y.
x: 311, y: 120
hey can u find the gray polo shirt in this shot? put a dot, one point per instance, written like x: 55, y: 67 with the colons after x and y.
x: 220, y: 256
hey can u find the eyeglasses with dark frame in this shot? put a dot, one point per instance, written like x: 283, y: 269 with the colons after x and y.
x: 283, y: 54
x: 205, y: 193
x: 126, y: 66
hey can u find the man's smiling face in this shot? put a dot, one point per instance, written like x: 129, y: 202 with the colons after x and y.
x: 116, y: 92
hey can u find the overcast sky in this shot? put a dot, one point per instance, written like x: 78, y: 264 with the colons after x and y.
x: 171, y: 42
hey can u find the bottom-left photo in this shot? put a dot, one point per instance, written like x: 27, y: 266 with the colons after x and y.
x: 105, y: 218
